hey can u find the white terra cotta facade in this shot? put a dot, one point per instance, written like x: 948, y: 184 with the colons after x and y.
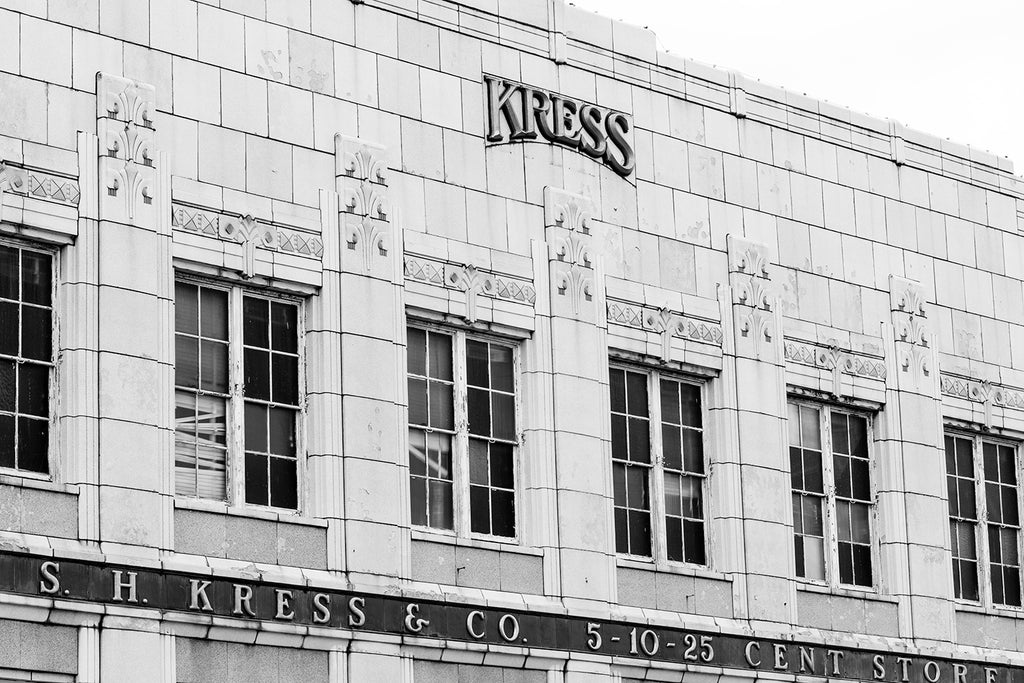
x: 336, y: 159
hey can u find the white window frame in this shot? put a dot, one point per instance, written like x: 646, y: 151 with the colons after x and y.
x: 52, y: 440
x: 985, y: 598
x: 461, y: 516
x: 235, y: 410
x: 830, y: 521
x: 659, y: 534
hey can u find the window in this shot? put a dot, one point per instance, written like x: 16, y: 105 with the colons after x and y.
x: 237, y: 397
x: 981, y: 481
x: 462, y: 433
x: 26, y: 358
x: 830, y: 471
x: 658, y: 467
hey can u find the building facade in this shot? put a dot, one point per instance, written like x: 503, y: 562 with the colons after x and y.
x: 477, y: 340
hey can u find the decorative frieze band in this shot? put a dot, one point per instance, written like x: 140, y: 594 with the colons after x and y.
x: 250, y: 232
x: 471, y: 280
x: 985, y: 392
x: 835, y: 360
x: 668, y: 324
x: 39, y: 184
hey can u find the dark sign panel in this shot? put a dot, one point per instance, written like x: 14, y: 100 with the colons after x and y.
x: 517, y: 113
x: 253, y: 600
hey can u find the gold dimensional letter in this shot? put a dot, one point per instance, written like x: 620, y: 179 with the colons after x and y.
x: 50, y: 583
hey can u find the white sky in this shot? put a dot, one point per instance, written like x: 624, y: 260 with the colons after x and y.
x: 952, y: 69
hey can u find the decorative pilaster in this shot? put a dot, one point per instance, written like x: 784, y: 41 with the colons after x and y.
x: 753, y: 388
x: 575, y: 331
x: 372, y: 338
x: 909, y: 434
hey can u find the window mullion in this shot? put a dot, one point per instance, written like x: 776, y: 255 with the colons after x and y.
x: 460, y: 455
x: 659, y: 545
x: 981, y: 526
x: 831, y: 525
x: 236, y: 406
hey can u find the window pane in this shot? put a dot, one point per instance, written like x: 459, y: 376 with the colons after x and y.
x: 843, y: 521
x: 690, y: 404
x: 674, y: 539
x: 637, y: 487
x: 504, y: 415
x: 439, y: 455
x: 8, y: 273
x: 621, y: 531
x: 440, y: 496
x: 617, y: 390
x: 186, y: 361
x: 9, y: 327
x: 282, y: 431
x: 860, y: 473
x: 32, y: 441
x: 798, y: 522
x: 186, y: 308
x: 418, y: 500
x: 636, y: 393
x: 211, y: 420
x: 619, y: 483
x: 502, y: 377
x: 796, y: 468
x: 1007, y: 468
x: 417, y: 453
x: 693, y: 497
x: 257, y: 374
x: 640, y: 533
x: 991, y: 462
x: 860, y: 520
x: 840, y: 434
x: 810, y: 428
x: 693, y: 540
x: 673, y: 496
x: 284, y: 330
x: 502, y: 466
x: 8, y: 388
x: 442, y: 411
x: 1011, y: 586
x: 478, y: 404
x: 34, y: 389
x: 841, y: 465
x: 950, y: 455
x: 479, y: 510
x: 214, y: 368
x: 440, y: 351
x: 964, y: 457
x: 477, y: 364
x: 255, y: 427
x: 35, y: 333
x: 7, y: 453
x: 214, y: 313
x: 793, y: 422
x: 845, y: 563
x: 639, y: 440
x: 416, y: 351
x: 812, y: 472
x: 256, y: 482
x: 814, y: 558
x: 670, y: 401
x: 210, y: 476
x: 672, y: 447
x: 35, y: 277
x: 812, y: 517
x: 693, y: 450
x: 968, y: 504
x: 478, y: 462
x: 503, y: 513
x: 619, y: 445
x: 968, y: 580
x: 283, y: 483
x: 858, y: 435
x: 992, y: 501
x: 255, y: 322
x: 286, y: 379
x: 417, y: 401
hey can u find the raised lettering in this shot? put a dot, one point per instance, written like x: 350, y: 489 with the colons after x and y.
x: 931, y: 672
x: 540, y: 107
x: 593, y: 143
x: 780, y: 657
x: 960, y: 672
x: 413, y: 622
x: 564, y: 114
x: 806, y: 660
x: 500, y: 102
x: 356, y: 617
x: 49, y: 583
x: 904, y: 663
x: 321, y: 608
x: 878, y: 667
x: 197, y: 592
x: 748, y: 654
x: 835, y: 656
x: 243, y: 600
x: 509, y: 634
x: 990, y: 675
x: 593, y: 635
x: 120, y: 585
x: 617, y: 126
x: 475, y: 614
x: 284, y: 605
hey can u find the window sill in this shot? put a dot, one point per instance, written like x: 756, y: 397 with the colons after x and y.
x: 993, y: 611
x: 35, y: 481
x: 270, y: 515
x: 671, y: 568
x: 843, y: 591
x: 481, y: 543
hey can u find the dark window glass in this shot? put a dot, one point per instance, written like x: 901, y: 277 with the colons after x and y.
x: 808, y: 491
x: 255, y: 316
x: 284, y: 333
x: 214, y: 314
x: 631, y: 460
x: 26, y: 355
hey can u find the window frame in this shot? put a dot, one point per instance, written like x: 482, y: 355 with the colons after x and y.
x: 656, y: 470
x: 234, y: 489
x: 462, y: 522
x: 978, y: 439
x: 830, y: 519
x: 52, y: 386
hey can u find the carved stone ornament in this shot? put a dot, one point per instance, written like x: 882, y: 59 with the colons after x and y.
x: 666, y: 324
x: 124, y: 123
x: 567, y: 222
x: 472, y: 280
x: 753, y: 295
x: 987, y: 393
x: 911, y: 329
x: 371, y: 238
x: 362, y: 179
x: 836, y: 360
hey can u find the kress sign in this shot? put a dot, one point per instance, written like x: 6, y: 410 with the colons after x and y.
x: 517, y: 113
x: 69, y: 581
